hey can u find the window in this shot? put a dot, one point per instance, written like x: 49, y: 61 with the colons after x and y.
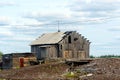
x: 75, y: 39
x: 61, y: 46
x: 69, y: 39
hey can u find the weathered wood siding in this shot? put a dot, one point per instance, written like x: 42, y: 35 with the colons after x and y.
x: 76, y: 47
x: 36, y: 50
x: 45, y: 51
x: 52, y: 51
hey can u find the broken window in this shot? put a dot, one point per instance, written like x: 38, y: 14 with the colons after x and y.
x: 69, y: 39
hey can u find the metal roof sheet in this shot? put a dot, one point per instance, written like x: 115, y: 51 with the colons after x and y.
x: 49, y: 38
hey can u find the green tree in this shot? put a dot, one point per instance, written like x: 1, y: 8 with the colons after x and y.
x: 109, y: 56
x: 1, y: 54
x: 91, y: 56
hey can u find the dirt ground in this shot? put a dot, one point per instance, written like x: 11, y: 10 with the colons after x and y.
x: 98, y: 69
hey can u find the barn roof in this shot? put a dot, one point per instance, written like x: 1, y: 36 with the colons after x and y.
x: 49, y: 38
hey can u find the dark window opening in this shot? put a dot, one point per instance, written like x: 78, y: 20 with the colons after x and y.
x: 75, y: 39
x: 69, y: 39
x: 61, y: 46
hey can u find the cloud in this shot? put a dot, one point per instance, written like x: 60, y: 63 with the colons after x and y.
x: 44, y: 17
x: 18, y: 38
x: 98, y: 44
x: 8, y: 3
x: 118, y: 38
x: 80, y: 10
x: 27, y: 22
x: 96, y: 8
x: 64, y: 19
x: 23, y: 38
x: 4, y: 20
x: 115, y: 29
x: 2, y: 42
x: 6, y: 32
x: 5, y: 28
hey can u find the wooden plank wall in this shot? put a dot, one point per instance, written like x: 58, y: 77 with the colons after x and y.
x: 79, y: 46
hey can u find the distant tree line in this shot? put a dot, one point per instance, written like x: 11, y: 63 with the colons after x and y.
x: 106, y: 56
x: 1, y: 54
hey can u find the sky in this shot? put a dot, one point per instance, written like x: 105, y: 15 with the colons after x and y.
x: 22, y: 21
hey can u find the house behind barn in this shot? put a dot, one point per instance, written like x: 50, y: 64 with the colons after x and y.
x: 69, y: 44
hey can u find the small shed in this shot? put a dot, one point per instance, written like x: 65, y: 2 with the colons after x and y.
x: 13, y: 60
x: 69, y: 44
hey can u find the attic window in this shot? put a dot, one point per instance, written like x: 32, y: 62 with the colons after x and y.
x: 69, y: 39
x: 75, y: 39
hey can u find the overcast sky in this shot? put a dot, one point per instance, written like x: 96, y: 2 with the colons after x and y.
x: 22, y: 21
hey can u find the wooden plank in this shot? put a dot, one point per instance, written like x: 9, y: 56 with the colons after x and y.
x: 74, y: 62
x: 79, y: 60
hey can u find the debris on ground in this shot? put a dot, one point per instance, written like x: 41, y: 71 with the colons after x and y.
x: 98, y: 69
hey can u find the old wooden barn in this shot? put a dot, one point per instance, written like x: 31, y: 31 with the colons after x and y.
x: 69, y: 44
